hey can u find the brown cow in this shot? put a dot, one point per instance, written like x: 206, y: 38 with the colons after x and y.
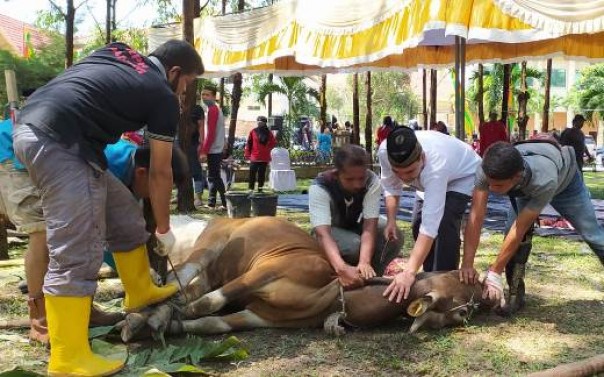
x: 276, y: 275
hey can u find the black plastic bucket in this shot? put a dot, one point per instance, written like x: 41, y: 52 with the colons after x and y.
x: 238, y: 204
x: 264, y: 204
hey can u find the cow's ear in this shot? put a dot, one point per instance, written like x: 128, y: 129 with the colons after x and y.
x: 419, y: 306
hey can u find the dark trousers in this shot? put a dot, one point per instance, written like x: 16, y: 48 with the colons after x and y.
x: 195, y: 166
x: 258, y: 168
x: 444, y: 254
x: 215, y: 183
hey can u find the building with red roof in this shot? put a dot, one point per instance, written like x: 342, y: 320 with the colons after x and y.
x: 19, y: 37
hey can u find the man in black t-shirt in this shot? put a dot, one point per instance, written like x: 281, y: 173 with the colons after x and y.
x: 575, y: 138
x: 61, y: 133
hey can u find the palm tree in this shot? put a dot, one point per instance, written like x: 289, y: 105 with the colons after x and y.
x: 299, y: 97
x: 493, y: 88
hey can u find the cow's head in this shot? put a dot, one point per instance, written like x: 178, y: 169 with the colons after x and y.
x: 440, y: 300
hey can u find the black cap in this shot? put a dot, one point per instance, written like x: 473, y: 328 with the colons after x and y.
x: 403, y: 147
x: 579, y: 118
x: 262, y: 118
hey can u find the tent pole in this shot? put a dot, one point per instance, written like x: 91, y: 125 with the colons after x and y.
x: 456, y: 84
x: 462, y: 90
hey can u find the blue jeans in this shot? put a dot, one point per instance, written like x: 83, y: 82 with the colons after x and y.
x: 574, y: 204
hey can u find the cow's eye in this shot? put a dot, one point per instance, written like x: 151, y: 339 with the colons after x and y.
x: 463, y: 312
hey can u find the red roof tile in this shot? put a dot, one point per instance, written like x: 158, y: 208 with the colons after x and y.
x: 14, y: 30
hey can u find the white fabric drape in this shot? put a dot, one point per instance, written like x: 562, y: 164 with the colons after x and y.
x: 559, y: 16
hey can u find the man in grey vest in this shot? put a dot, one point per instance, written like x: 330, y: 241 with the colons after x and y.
x: 344, y: 205
x: 533, y: 174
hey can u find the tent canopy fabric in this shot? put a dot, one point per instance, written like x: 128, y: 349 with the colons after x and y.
x: 311, y: 36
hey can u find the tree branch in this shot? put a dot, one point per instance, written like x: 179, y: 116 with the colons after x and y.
x: 80, y: 4
x: 58, y: 8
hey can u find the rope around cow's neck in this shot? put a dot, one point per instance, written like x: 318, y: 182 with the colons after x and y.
x: 343, y: 301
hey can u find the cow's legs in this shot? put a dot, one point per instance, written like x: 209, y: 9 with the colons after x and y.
x: 243, y: 286
x: 242, y: 320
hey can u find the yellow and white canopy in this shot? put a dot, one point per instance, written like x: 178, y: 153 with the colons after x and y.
x: 311, y: 36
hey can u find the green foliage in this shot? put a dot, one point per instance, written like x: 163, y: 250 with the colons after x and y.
x: 587, y: 95
x: 36, y: 71
x: 165, y: 11
x: 50, y: 20
x: 191, y: 351
x: 301, y: 99
x: 133, y: 37
x: 493, y: 89
x: 392, y: 95
x: 335, y: 101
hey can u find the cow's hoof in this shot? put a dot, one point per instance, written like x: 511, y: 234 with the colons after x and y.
x: 208, y: 304
x: 160, y: 319
x: 332, y: 325
x: 132, y: 325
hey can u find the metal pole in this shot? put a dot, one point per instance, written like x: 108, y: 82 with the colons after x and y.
x: 456, y: 84
x: 462, y: 89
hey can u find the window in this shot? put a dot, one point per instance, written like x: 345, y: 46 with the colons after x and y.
x: 253, y: 108
x: 559, y: 78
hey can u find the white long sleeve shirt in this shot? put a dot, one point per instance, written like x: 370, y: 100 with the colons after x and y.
x: 450, y: 165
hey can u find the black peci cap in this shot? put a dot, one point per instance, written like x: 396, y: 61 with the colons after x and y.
x: 403, y: 147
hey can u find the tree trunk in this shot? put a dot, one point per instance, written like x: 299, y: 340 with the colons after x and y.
x: 235, y: 101
x: 425, y: 98
x: 221, y: 87
x: 235, y: 95
x: 323, y: 100
x: 3, y: 238
x: 356, y: 120
x: 369, y: 117
x: 507, y: 70
x: 480, y: 94
x: 548, y: 84
x: 185, y: 126
x: 270, y: 97
x: 433, y: 96
x: 69, y: 25
x: 523, y: 98
x: 113, y: 19
x: 108, y: 22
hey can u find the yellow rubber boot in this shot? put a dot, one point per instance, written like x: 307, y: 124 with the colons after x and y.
x: 133, y: 268
x: 70, y: 353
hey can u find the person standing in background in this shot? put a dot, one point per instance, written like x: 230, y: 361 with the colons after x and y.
x: 383, y: 132
x: 575, y: 138
x: 491, y: 132
x: 212, y: 148
x: 197, y: 137
x: 260, y: 143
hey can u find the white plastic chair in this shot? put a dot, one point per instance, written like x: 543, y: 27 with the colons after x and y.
x: 282, y: 177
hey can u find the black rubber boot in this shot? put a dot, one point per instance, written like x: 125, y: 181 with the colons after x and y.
x: 515, y: 271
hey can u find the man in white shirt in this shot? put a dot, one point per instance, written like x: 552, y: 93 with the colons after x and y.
x: 441, y: 168
x: 344, y: 206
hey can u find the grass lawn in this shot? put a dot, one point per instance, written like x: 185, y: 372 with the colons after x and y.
x: 562, y: 322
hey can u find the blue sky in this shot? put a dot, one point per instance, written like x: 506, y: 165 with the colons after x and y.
x: 128, y: 13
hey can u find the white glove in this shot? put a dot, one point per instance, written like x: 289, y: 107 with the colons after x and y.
x: 493, y: 288
x: 166, y: 243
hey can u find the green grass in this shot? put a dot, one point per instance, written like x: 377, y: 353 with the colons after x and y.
x: 561, y: 323
x: 301, y: 186
x: 595, y: 182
